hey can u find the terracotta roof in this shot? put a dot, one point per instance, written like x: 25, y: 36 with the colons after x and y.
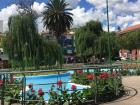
x: 131, y: 28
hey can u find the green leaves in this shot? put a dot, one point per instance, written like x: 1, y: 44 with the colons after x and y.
x: 57, y: 17
x: 131, y: 40
x: 22, y: 39
x: 101, y: 47
x: 91, y: 40
x: 85, y: 38
x: 52, y: 52
x: 25, y: 47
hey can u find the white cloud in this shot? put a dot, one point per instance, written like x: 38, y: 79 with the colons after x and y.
x: 38, y: 7
x: 40, y: 24
x: 121, y: 12
x: 105, y: 28
x: 6, y: 13
x: 81, y: 16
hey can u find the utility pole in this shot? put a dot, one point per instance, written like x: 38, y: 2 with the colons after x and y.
x: 109, y: 50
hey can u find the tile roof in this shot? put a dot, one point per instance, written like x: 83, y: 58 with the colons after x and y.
x: 131, y: 28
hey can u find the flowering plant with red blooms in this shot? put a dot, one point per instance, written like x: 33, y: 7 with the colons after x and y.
x: 63, y: 96
x: 40, y: 92
x: 90, y: 76
x: 33, y: 91
x: 59, y: 83
x: 73, y: 87
x: 1, y: 82
x: 104, y: 75
x: 80, y: 72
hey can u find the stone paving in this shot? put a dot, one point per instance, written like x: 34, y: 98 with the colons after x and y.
x: 133, y: 98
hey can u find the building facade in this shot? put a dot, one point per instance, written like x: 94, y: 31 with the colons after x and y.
x: 66, y: 40
x: 124, y: 53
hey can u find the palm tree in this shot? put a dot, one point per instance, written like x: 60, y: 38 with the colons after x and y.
x: 57, y: 17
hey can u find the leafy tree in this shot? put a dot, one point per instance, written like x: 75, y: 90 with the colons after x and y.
x: 85, y: 38
x: 130, y: 40
x: 22, y: 37
x: 94, y: 27
x: 57, y: 17
x: 101, y: 48
x: 53, y: 52
x: 25, y: 47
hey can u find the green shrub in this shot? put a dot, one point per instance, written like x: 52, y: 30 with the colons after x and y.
x: 138, y: 72
x: 12, y: 89
x: 124, y: 72
x: 63, y: 97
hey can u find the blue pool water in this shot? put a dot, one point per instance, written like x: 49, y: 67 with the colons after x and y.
x: 47, y: 80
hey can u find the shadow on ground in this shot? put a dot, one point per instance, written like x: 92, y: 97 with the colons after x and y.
x: 129, y: 93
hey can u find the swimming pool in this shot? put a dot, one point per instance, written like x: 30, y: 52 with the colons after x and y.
x: 49, y: 80
x: 45, y: 81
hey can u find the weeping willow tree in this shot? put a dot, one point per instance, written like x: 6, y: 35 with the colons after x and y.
x: 91, y: 40
x: 101, y: 48
x: 25, y: 47
x: 53, y: 52
x: 84, y: 42
x: 85, y: 38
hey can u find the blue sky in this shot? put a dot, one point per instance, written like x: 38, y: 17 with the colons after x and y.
x: 82, y: 3
x: 122, y: 13
x: 5, y: 3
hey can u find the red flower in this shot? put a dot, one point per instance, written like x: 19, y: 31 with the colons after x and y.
x: 104, y: 75
x: 30, y: 85
x: 1, y: 82
x: 40, y: 92
x: 73, y: 87
x: 80, y: 72
x: 59, y: 83
x: 33, y: 91
x: 90, y: 76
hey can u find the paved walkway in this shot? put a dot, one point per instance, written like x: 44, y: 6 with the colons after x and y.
x: 133, y: 97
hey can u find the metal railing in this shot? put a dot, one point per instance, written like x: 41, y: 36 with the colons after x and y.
x: 23, y: 76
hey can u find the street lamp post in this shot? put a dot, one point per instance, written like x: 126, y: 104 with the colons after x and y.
x: 109, y: 54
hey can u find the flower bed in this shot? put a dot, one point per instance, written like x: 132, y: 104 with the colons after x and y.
x: 10, y: 90
x: 96, y: 87
x: 105, y: 86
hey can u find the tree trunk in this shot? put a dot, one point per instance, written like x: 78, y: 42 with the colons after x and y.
x: 136, y: 54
